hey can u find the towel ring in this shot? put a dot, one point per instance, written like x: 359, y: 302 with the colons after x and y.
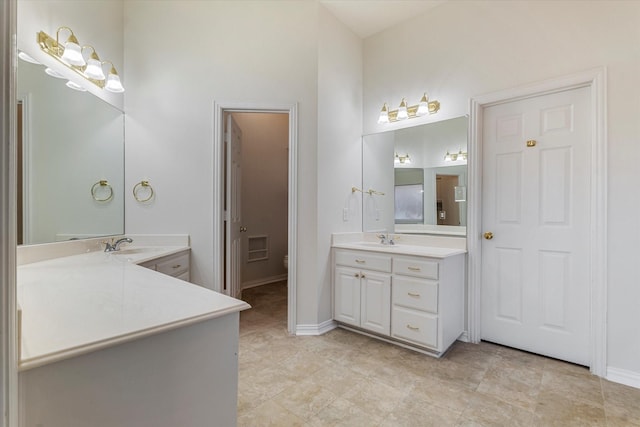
x: 144, y: 184
x: 100, y: 184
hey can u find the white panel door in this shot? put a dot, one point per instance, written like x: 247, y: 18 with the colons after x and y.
x: 233, y: 217
x: 375, y: 308
x: 535, y: 275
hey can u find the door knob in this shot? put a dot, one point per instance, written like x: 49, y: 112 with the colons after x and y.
x: 243, y: 229
x: 488, y: 235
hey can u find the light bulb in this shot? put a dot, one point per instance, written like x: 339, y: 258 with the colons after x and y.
x: 72, y: 52
x: 94, y: 69
x: 423, y: 106
x: 113, y: 82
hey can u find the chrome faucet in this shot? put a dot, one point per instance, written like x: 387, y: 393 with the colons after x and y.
x: 113, y: 247
x: 385, y: 239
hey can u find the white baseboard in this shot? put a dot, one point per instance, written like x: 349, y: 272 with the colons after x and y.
x: 623, y: 376
x: 264, y: 281
x: 320, y: 329
x: 464, y: 337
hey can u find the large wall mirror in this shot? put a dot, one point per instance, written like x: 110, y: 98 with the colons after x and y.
x: 418, y: 179
x: 71, y: 161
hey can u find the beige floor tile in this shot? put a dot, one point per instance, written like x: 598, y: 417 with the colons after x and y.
x: 488, y: 410
x: 342, y: 413
x: 305, y: 399
x: 269, y: 414
x: 347, y: 379
x: 558, y: 409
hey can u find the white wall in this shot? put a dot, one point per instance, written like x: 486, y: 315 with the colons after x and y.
x: 181, y: 56
x: 463, y: 49
x: 265, y: 149
x: 339, y: 144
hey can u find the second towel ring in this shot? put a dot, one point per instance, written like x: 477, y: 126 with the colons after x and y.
x: 100, y: 184
x: 144, y: 184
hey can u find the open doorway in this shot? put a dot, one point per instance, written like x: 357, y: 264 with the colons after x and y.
x: 255, y: 199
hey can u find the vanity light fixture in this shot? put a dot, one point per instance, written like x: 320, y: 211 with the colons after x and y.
x: 402, y: 159
x: 460, y: 155
x: 71, y: 55
x: 408, y: 112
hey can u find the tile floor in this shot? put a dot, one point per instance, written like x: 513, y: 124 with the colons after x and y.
x: 345, y: 379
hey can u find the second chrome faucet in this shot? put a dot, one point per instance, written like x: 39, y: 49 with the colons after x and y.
x: 115, y: 246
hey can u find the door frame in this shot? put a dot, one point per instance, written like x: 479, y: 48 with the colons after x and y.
x: 219, y: 108
x: 595, y: 80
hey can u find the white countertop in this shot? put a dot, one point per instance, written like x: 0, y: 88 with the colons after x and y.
x: 426, y: 251
x: 81, y: 303
x: 405, y: 244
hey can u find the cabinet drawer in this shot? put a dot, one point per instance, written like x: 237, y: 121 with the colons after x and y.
x: 418, y: 294
x: 417, y: 267
x: 365, y: 260
x: 175, y: 265
x: 415, y: 326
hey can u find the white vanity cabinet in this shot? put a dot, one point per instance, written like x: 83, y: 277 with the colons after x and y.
x: 362, y: 290
x: 175, y: 265
x: 415, y: 301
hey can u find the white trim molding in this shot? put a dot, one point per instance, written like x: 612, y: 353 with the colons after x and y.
x: 8, y: 180
x: 594, y: 79
x: 622, y: 376
x: 319, y: 329
x: 219, y: 108
x: 263, y: 281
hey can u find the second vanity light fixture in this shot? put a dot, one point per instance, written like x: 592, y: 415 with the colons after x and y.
x: 402, y: 159
x: 453, y: 157
x: 71, y: 54
x: 404, y: 112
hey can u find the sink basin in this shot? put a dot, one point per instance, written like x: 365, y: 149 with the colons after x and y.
x: 378, y: 245
x: 137, y: 251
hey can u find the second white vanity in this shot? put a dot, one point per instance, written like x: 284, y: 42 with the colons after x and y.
x: 410, y: 293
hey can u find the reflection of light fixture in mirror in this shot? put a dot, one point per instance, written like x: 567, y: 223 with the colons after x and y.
x: 460, y: 155
x: 53, y: 73
x: 402, y: 159
x: 408, y: 112
x: 27, y: 58
x: 68, y: 55
x: 75, y: 86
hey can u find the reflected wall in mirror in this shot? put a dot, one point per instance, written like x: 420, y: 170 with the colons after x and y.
x: 70, y: 141
x: 424, y: 193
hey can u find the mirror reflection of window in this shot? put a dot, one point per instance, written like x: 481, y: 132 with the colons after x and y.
x: 409, y: 203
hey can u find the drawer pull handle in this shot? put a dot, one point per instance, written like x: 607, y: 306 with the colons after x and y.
x: 414, y: 268
x: 177, y: 266
x: 413, y: 328
x: 411, y: 294
x: 361, y: 261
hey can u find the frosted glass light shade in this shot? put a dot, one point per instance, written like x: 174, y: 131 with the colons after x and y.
x: 423, y: 106
x: 73, y: 54
x: 94, y: 70
x: 402, y: 111
x: 384, y: 115
x: 113, y: 83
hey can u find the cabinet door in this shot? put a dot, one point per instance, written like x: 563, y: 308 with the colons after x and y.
x: 346, y: 295
x: 375, y: 309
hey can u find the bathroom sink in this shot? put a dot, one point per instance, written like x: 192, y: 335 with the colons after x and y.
x: 378, y: 245
x: 138, y: 251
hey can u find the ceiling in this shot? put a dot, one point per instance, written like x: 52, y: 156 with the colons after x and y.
x: 368, y: 17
